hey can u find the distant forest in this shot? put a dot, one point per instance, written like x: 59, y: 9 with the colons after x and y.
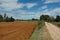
x: 47, y: 18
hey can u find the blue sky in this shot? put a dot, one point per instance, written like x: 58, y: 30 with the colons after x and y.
x: 28, y: 9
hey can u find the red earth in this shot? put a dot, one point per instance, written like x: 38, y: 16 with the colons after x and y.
x: 17, y: 30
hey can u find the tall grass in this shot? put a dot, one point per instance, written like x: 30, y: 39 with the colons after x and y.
x: 40, y: 24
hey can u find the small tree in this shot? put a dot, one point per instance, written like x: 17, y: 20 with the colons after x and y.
x: 57, y: 18
x: 7, y: 19
x: 12, y: 19
x: 1, y: 18
x: 33, y: 19
x: 4, y: 17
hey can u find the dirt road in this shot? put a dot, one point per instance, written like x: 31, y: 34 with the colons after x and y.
x: 53, y: 30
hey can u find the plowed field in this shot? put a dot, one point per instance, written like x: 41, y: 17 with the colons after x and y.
x: 16, y: 30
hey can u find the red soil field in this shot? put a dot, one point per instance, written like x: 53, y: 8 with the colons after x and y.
x: 17, y: 30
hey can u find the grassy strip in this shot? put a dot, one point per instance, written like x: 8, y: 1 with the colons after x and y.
x: 35, y: 35
x: 56, y: 23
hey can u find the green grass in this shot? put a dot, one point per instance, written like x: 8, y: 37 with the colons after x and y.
x: 35, y: 35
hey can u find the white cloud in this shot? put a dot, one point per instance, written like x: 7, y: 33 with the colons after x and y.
x: 24, y: 14
x: 6, y: 1
x: 12, y: 4
x: 37, y: 14
x: 53, y: 12
x: 9, y: 5
x: 30, y: 5
x: 52, y: 1
x: 44, y: 7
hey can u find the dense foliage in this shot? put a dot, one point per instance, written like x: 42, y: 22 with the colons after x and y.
x: 50, y: 19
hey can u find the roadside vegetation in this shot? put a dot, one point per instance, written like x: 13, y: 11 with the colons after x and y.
x: 41, y: 23
x: 50, y: 19
x: 35, y: 35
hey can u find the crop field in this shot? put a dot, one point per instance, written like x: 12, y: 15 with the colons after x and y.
x: 17, y: 30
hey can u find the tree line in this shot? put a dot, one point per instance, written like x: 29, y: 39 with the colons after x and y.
x: 5, y: 18
x: 49, y: 18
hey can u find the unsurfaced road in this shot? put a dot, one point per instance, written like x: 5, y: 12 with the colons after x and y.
x: 53, y: 30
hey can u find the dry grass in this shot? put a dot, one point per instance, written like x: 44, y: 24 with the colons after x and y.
x: 56, y: 23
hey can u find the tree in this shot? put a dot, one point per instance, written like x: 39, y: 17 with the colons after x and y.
x: 4, y: 17
x: 7, y: 19
x: 42, y: 17
x: 12, y: 19
x: 46, y: 18
x: 57, y: 18
x: 1, y: 18
x: 34, y: 19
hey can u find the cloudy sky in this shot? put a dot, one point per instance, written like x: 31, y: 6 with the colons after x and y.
x: 27, y: 9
